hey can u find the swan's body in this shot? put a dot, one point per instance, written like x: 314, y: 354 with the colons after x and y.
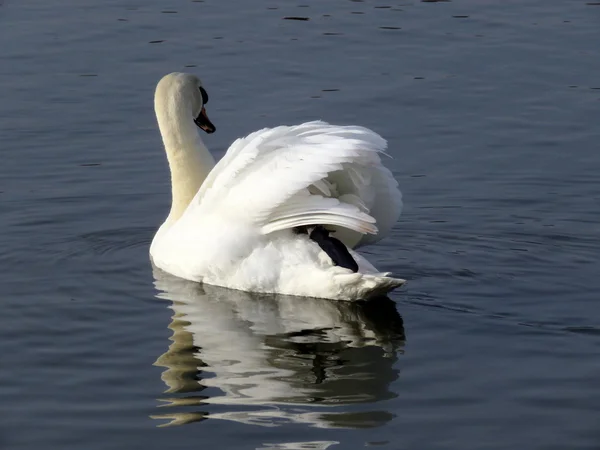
x: 234, y: 224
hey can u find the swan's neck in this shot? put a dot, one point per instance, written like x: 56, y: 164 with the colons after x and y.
x: 189, y: 159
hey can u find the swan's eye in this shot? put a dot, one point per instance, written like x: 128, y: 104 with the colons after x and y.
x: 204, y: 95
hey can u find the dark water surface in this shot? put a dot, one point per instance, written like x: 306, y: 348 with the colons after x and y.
x: 492, y: 112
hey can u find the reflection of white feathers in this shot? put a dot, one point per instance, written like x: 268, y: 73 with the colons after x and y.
x: 232, y: 224
x: 266, y: 352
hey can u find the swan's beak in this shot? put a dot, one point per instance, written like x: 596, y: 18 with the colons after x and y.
x: 204, y: 122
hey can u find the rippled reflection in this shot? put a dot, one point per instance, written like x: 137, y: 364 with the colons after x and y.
x: 269, y: 360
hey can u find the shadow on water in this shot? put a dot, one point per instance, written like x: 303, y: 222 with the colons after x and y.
x: 271, y: 359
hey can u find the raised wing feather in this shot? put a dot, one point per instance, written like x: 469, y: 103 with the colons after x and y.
x: 314, y: 173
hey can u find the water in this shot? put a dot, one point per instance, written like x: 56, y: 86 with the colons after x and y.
x: 491, y: 112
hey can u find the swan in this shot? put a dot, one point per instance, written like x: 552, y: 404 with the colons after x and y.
x: 281, y: 212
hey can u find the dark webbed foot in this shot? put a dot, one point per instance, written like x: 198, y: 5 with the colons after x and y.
x: 336, y: 250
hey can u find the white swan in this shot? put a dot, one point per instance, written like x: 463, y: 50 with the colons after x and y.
x: 244, y: 223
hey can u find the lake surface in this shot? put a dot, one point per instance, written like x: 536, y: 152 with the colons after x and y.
x: 492, y: 113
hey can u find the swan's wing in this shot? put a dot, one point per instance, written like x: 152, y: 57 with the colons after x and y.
x: 278, y: 178
x: 386, y: 206
x: 374, y: 187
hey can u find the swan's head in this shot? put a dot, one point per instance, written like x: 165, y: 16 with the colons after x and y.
x: 186, y: 90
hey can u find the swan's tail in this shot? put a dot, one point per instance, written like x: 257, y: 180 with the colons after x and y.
x: 366, y: 285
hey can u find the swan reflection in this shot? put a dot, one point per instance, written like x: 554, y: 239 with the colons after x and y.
x: 272, y: 359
